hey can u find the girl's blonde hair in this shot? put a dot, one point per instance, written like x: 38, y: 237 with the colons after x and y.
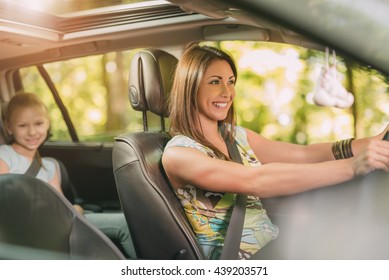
x: 183, y: 98
x: 20, y: 100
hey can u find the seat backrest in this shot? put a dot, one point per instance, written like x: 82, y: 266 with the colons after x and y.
x: 3, y: 135
x: 41, y: 223
x: 157, y: 222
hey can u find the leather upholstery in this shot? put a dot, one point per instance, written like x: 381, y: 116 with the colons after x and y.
x: 40, y: 221
x: 150, y: 80
x: 157, y: 222
x: 3, y: 135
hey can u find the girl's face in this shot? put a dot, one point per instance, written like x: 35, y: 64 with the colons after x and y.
x: 216, y: 92
x: 29, y: 127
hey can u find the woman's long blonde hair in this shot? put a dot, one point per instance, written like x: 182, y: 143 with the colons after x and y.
x: 183, y: 103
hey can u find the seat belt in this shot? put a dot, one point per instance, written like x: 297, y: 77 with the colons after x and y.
x: 234, y: 232
x: 34, y: 167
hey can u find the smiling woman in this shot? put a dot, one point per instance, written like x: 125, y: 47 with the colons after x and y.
x: 198, y: 162
x: 75, y: 55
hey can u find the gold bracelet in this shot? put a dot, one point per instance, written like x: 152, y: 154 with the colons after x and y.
x: 335, y: 150
x: 342, y: 149
x: 349, y: 150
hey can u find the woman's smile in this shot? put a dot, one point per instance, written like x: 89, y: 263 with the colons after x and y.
x: 220, y: 104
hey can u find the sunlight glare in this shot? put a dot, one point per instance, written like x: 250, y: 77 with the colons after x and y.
x: 326, y: 127
x: 309, y: 97
x: 266, y: 60
x: 80, y: 76
x: 94, y: 115
x: 111, y: 67
x: 39, y: 5
x: 301, y: 137
x: 270, y: 130
x: 343, y: 126
x: 284, y: 119
x: 286, y: 95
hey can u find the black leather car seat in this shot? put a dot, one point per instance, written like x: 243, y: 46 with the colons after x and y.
x: 157, y: 222
x: 3, y: 134
x: 36, y: 222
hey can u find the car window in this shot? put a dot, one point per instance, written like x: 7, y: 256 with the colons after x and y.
x: 94, y: 91
x: 275, y: 88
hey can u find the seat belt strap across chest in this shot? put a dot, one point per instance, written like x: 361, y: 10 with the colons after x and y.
x: 34, y: 167
x: 234, y: 232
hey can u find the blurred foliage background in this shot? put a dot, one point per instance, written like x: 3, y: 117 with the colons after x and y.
x: 274, y: 95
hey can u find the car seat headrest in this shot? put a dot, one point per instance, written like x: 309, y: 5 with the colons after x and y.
x: 150, y: 80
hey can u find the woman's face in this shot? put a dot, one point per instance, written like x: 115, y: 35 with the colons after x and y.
x: 216, y: 92
x: 29, y: 127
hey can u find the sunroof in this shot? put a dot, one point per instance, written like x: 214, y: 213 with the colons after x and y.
x: 61, y: 7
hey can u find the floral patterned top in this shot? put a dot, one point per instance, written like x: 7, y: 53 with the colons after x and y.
x: 209, y: 212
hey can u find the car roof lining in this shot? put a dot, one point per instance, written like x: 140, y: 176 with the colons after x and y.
x: 54, y: 45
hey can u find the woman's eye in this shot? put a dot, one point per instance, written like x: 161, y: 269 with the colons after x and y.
x: 214, y: 82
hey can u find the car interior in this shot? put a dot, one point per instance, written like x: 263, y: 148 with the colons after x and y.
x: 45, y: 223
x: 156, y: 219
x: 309, y: 220
x: 124, y: 174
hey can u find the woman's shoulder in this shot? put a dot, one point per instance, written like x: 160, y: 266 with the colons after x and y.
x: 240, y: 131
x: 181, y: 141
x: 185, y: 141
x: 240, y: 134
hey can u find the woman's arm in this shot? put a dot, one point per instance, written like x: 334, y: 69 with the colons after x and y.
x: 274, y: 151
x: 189, y: 166
x: 269, y: 151
x: 358, y: 145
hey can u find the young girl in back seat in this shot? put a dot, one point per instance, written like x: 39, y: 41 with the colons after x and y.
x: 27, y: 123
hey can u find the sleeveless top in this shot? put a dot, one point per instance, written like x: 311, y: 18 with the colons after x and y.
x: 209, y: 212
x: 18, y: 164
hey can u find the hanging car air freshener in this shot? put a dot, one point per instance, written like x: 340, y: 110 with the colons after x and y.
x: 329, y: 91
